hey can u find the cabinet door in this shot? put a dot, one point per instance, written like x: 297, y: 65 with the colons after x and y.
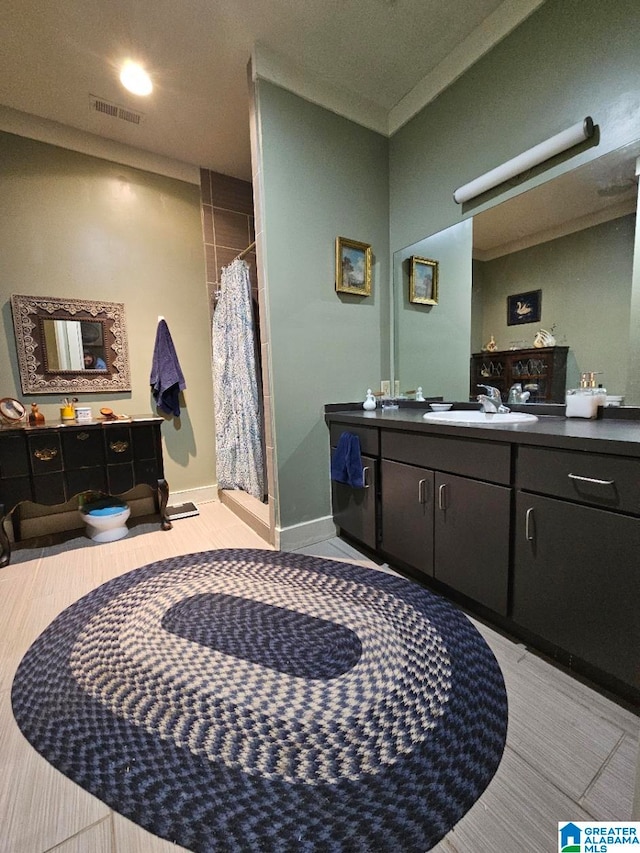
x: 576, y: 581
x: 472, y: 538
x: 406, y: 497
x: 354, y: 510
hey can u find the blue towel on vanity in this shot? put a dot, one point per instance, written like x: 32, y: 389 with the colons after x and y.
x: 346, y: 462
x: 166, y: 375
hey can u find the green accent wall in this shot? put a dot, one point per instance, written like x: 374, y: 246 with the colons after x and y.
x: 585, y: 280
x: 569, y: 59
x: 323, y: 177
x: 80, y: 227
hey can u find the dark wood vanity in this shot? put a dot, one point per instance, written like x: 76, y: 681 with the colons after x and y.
x: 52, y: 464
x: 536, y: 527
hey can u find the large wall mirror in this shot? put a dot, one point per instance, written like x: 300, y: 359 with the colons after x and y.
x: 572, y: 238
x: 70, y: 345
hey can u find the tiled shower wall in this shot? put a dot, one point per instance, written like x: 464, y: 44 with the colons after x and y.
x: 227, y: 229
x: 227, y: 225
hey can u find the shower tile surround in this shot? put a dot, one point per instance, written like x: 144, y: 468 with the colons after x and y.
x: 228, y: 227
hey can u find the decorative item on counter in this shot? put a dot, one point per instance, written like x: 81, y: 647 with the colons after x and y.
x: 83, y: 413
x: 36, y: 418
x: 108, y: 414
x: 370, y: 401
x: 544, y: 339
x: 419, y: 395
x: 67, y: 412
x: 12, y: 411
x: 492, y: 346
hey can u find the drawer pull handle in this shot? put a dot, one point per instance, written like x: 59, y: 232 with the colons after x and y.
x: 528, y: 525
x: 441, y: 497
x: 82, y: 436
x: 365, y: 478
x: 422, y: 492
x: 591, y: 480
x: 119, y: 446
x: 46, y: 454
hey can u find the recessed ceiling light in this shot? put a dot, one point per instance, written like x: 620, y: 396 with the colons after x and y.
x: 134, y: 78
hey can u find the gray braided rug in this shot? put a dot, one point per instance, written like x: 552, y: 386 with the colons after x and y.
x: 249, y: 700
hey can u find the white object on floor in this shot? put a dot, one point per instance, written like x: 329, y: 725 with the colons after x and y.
x: 106, y: 524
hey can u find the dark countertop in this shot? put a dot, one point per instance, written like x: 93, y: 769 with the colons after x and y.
x: 610, y: 434
x: 24, y: 426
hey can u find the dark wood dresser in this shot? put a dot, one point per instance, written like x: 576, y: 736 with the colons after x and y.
x: 53, y: 464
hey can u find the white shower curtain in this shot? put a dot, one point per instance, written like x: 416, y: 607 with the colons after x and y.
x: 239, y: 453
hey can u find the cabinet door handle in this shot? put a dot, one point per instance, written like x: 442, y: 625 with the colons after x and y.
x: 82, y: 436
x: 441, y: 497
x: 422, y: 492
x: 46, y: 454
x: 365, y: 478
x: 591, y: 480
x: 528, y: 525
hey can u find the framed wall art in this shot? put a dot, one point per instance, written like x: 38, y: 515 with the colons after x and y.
x: 423, y: 281
x: 524, y: 308
x: 353, y: 267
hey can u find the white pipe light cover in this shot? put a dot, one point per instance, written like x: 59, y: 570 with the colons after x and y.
x: 527, y: 160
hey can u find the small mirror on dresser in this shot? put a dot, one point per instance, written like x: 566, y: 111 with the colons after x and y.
x: 70, y: 345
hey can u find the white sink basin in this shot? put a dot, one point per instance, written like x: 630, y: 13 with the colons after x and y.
x: 474, y: 417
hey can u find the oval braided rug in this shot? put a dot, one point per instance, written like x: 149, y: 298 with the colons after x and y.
x: 265, y: 701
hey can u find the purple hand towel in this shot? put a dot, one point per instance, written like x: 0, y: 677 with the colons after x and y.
x: 166, y: 375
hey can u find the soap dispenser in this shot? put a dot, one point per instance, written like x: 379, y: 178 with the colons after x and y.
x: 583, y: 402
x: 370, y: 401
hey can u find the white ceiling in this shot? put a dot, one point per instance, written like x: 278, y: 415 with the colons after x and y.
x: 376, y: 61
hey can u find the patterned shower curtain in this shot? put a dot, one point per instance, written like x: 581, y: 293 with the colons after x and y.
x: 239, y: 453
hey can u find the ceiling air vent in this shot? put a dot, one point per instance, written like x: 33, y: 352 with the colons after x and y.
x: 107, y: 108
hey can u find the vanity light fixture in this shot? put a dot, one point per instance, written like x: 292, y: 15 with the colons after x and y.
x: 135, y: 79
x: 527, y: 160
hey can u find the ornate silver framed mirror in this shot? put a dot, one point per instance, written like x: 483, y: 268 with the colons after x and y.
x: 70, y: 345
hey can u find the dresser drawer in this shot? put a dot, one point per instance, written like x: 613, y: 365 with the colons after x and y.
x: 83, y: 448
x: 482, y: 460
x: 45, y: 452
x: 606, y: 481
x: 369, y: 437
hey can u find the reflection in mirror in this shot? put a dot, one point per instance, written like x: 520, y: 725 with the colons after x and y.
x: 73, y: 345
x: 66, y: 345
x: 573, y: 239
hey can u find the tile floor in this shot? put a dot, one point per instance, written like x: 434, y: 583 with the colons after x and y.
x: 570, y: 754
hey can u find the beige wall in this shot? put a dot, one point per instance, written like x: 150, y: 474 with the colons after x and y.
x: 73, y: 225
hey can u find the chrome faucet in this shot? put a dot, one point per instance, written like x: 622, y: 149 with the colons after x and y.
x: 491, y: 402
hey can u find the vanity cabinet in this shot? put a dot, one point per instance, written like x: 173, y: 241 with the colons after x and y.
x: 538, y: 525
x: 540, y: 370
x: 577, y: 550
x: 355, y: 510
x: 448, y: 526
x: 407, y: 498
x: 52, y: 464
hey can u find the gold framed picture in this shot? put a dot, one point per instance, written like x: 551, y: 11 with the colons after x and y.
x: 423, y: 281
x: 353, y: 267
